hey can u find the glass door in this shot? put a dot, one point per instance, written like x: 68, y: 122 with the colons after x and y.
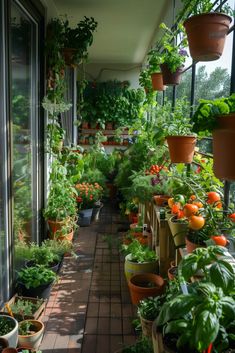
x: 24, y: 128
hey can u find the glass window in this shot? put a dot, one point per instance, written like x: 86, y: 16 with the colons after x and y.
x: 24, y: 131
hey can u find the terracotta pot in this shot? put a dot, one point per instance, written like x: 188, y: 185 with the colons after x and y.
x: 3, y: 343
x: 61, y: 237
x: 157, y: 82
x: 178, y: 230
x: 85, y: 125
x: 224, y: 146
x: 55, y: 226
x: 161, y: 200
x: 206, y: 35
x: 68, y: 54
x: 145, y: 285
x: 169, y: 78
x: 132, y: 268
x: 190, y: 246
x: 9, y: 350
x: 181, y: 148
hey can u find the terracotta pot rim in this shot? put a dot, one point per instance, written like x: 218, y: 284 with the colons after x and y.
x: 181, y: 137
x: 208, y: 14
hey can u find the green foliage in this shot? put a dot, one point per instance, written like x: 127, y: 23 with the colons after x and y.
x: 173, y: 55
x: 139, y: 253
x: 74, y: 164
x: 42, y: 255
x: 6, y: 325
x: 154, y: 61
x: 23, y: 307
x: 27, y: 328
x: 196, y: 7
x: 205, y: 117
x: 55, y: 136
x: 145, y: 80
x: 149, y: 308
x: 59, y: 248
x: 33, y: 277
x: 142, y: 345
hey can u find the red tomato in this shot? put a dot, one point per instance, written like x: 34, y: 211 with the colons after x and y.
x: 219, y: 240
x: 212, y: 197
x: 196, y: 222
x: 175, y: 208
x: 232, y: 217
x: 180, y: 214
x: 190, y: 209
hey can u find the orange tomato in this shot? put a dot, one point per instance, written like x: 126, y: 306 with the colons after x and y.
x: 192, y: 197
x: 170, y: 202
x: 175, y: 208
x: 180, y: 214
x: 232, y: 217
x: 199, y: 204
x: 219, y: 240
x: 213, y: 197
x: 196, y: 222
x: 190, y: 209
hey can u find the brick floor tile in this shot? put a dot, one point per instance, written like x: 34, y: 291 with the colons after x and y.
x: 93, y: 310
x: 102, y: 345
x: 75, y: 341
x: 103, y: 326
x: 61, y: 342
x: 128, y: 310
x: 116, y: 310
x: 48, y: 341
x: 116, y: 326
x: 116, y: 343
x: 128, y: 340
x: 104, y: 310
x: 91, y: 326
x: 89, y: 344
x: 127, y: 326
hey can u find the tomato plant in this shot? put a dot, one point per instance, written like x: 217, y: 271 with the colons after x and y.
x: 232, y: 217
x: 219, y: 240
x: 196, y: 222
x: 190, y: 209
x: 199, y: 204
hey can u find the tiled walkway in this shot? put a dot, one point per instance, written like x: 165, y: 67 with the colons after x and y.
x: 89, y: 310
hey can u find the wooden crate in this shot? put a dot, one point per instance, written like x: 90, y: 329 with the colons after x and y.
x: 36, y: 315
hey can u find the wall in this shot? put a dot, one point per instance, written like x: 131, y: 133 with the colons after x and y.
x: 51, y: 10
x: 104, y: 72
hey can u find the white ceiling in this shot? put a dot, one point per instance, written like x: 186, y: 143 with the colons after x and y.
x: 126, y: 28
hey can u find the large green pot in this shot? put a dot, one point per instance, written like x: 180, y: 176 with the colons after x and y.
x: 133, y: 268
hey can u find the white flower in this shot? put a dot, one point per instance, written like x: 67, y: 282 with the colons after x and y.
x: 55, y: 108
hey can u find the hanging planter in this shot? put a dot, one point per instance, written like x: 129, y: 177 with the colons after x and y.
x: 181, y: 148
x: 157, y: 81
x: 169, y: 78
x: 224, y: 146
x: 206, y: 35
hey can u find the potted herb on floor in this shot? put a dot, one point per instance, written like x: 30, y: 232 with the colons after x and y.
x: 207, y: 30
x: 30, y: 333
x: 36, y: 281
x: 148, y: 310
x: 9, y: 329
x: 139, y: 259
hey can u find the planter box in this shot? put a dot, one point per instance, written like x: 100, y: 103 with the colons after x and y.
x: 35, y: 316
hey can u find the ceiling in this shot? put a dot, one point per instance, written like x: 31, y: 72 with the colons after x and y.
x: 126, y: 28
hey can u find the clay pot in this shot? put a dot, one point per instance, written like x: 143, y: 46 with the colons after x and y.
x: 190, y: 246
x: 206, y: 35
x: 161, y: 200
x: 178, y: 230
x: 132, y: 268
x: 145, y: 285
x: 224, y: 146
x: 169, y: 78
x: 181, y: 148
x: 157, y: 81
x: 32, y: 340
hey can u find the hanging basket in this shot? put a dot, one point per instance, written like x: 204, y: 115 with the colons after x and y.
x: 157, y: 81
x: 169, y: 78
x: 224, y: 147
x: 181, y: 148
x: 206, y: 35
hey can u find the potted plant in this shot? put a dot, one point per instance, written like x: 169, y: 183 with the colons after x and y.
x: 42, y: 255
x: 148, y: 310
x: 25, y: 307
x: 145, y: 80
x: 143, y: 285
x: 217, y: 116
x: 9, y: 329
x: 36, y: 281
x: 173, y: 55
x: 154, y: 61
x: 178, y: 131
x: 206, y: 30
x: 139, y: 259
x: 30, y: 333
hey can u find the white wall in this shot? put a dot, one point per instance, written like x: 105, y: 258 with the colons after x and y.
x: 51, y: 10
x: 105, y: 72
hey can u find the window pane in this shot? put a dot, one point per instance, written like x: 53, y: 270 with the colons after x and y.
x: 22, y: 31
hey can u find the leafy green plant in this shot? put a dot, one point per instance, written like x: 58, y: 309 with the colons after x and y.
x: 155, y: 59
x: 149, y: 308
x: 22, y: 308
x: 59, y: 248
x: 145, y: 80
x: 42, y: 255
x: 26, y: 328
x: 205, y: 116
x: 195, y: 7
x: 173, y: 55
x: 6, y: 325
x: 142, y: 345
x: 139, y: 253
x: 33, y: 277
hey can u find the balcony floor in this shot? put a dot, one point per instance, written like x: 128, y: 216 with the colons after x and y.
x: 89, y: 310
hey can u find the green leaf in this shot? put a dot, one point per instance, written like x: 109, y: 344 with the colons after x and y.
x: 206, y: 328
x: 222, y: 275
